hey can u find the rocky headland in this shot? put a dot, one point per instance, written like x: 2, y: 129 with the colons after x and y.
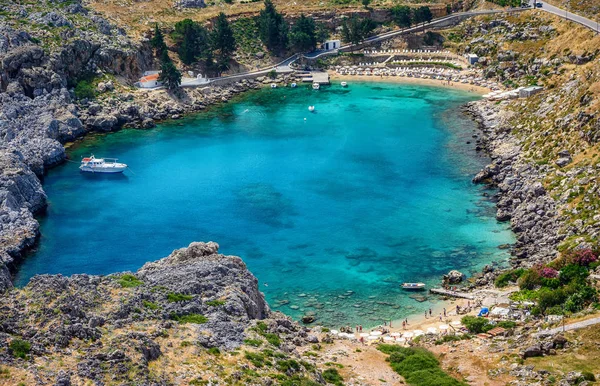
x: 131, y: 328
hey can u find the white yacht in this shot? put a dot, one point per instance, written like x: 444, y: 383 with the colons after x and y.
x: 344, y: 84
x: 101, y: 165
x: 316, y: 86
x: 311, y: 108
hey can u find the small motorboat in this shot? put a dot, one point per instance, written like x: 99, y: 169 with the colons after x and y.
x: 316, y: 86
x: 413, y: 286
x: 294, y: 85
x: 311, y: 108
x: 101, y: 165
x: 273, y: 85
x: 344, y: 84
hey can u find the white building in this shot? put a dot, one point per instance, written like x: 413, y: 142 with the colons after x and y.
x: 472, y: 59
x: 149, y: 81
x: 331, y: 45
x: 529, y: 91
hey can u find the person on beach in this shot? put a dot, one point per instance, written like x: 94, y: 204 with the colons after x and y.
x: 360, y: 328
x: 440, y: 316
x: 457, y: 309
x: 444, y: 311
x: 403, y: 325
x: 406, y: 320
x: 425, y: 314
x: 430, y: 312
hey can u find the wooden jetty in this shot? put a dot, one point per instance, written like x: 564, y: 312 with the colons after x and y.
x: 452, y: 294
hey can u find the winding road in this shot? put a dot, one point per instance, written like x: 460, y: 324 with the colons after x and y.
x: 563, y: 13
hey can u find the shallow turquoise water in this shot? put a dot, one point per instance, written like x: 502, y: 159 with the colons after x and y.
x: 371, y: 190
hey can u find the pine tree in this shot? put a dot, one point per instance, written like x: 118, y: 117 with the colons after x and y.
x: 303, y: 34
x: 402, y: 16
x: 222, y: 42
x: 191, y: 40
x: 272, y: 28
x: 158, y: 41
x: 355, y: 30
x: 169, y: 75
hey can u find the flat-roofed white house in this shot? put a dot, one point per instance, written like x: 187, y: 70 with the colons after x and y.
x: 331, y: 45
x: 472, y: 59
x: 529, y: 91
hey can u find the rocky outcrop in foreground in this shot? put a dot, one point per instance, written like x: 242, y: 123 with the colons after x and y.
x: 110, y: 327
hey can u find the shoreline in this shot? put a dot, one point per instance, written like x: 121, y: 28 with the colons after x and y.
x: 478, y: 90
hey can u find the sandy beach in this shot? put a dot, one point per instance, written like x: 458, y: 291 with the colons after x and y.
x: 406, y: 80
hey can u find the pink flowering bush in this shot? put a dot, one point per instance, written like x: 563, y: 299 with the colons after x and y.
x: 548, y: 273
x: 584, y: 257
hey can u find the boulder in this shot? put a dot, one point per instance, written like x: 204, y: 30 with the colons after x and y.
x: 307, y: 319
x: 454, y: 277
x: 533, y: 351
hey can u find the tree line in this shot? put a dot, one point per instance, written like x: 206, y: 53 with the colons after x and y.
x: 405, y: 16
x: 216, y: 46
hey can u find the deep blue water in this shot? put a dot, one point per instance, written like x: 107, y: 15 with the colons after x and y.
x: 371, y: 190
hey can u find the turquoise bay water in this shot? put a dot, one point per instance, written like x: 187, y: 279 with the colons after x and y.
x: 332, y: 209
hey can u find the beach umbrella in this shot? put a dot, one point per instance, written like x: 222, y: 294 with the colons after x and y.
x: 395, y: 334
x: 375, y: 333
x: 334, y: 332
x: 432, y: 330
x: 372, y: 337
x: 408, y: 335
x: 401, y: 340
x: 388, y: 338
x: 456, y: 323
x: 418, y: 332
x: 443, y: 326
x: 364, y: 334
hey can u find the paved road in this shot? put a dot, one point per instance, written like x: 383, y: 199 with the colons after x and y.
x: 591, y: 24
x: 569, y: 327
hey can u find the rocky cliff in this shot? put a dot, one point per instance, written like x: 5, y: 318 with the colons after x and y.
x: 179, y: 320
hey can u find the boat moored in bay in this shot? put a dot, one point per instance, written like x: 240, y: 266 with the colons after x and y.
x: 413, y: 286
x: 101, y: 165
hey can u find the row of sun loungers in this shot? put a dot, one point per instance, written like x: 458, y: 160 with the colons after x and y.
x: 451, y: 75
x: 374, y: 52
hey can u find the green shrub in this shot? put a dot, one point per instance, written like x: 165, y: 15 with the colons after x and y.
x: 214, y: 351
x: 273, y: 339
x: 20, y: 348
x: 150, y: 305
x: 253, y: 342
x: 507, y: 277
x: 215, y: 303
x: 257, y: 359
x: 191, y: 318
x: 530, y: 279
x: 418, y: 366
x: 573, y: 272
x: 332, y: 376
x: 173, y: 297
x: 129, y: 281
x: 288, y: 366
x: 84, y: 89
x: 476, y: 325
x: 508, y: 324
x: 587, y: 376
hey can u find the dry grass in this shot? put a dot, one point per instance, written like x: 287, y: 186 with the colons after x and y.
x: 582, y: 357
x: 140, y: 16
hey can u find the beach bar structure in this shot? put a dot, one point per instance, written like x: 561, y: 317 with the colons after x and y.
x: 472, y: 59
x: 529, y: 91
